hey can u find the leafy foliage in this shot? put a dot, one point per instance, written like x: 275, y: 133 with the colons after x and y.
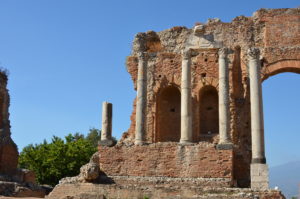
x: 59, y: 158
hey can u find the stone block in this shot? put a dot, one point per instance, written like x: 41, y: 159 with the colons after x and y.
x: 259, y: 176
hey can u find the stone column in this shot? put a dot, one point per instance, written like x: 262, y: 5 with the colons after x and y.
x: 224, y: 115
x: 186, y: 101
x: 141, y: 101
x: 106, y: 131
x: 106, y: 121
x: 259, y: 169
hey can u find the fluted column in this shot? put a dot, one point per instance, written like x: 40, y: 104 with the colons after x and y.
x: 224, y: 115
x: 259, y: 168
x: 186, y: 111
x: 106, y: 121
x: 141, y: 99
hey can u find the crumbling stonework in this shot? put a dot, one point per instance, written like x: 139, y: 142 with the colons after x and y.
x: 274, y: 32
x: 167, y: 159
x: 130, y: 190
x: 8, y: 149
x: 13, y: 181
x: 89, y: 172
x: 186, y: 139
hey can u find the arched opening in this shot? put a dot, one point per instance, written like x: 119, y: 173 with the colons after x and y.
x: 208, y: 113
x: 168, y: 115
x: 281, y: 67
x: 281, y: 97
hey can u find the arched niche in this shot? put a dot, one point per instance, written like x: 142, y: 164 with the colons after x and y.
x: 208, y: 112
x: 168, y: 115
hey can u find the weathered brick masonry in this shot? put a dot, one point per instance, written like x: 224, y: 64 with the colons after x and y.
x: 181, y: 75
x: 167, y: 159
x: 274, y: 32
x: 8, y: 149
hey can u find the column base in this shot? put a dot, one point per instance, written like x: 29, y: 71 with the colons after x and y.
x: 224, y: 146
x: 185, y: 142
x: 139, y: 142
x: 107, y: 142
x: 258, y: 161
x: 259, y: 176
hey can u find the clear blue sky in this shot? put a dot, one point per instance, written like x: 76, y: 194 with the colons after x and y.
x: 67, y: 56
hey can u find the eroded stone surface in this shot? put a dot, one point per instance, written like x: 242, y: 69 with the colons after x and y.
x: 161, y: 191
x: 8, y: 149
x: 89, y: 172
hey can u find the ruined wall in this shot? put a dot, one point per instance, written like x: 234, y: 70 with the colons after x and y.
x: 167, y: 159
x: 275, y: 32
x: 14, y: 181
x: 8, y: 149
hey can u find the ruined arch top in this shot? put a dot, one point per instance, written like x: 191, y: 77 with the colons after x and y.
x: 280, y: 66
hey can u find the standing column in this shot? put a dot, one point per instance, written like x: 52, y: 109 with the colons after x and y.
x: 186, y: 112
x: 141, y: 99
x: 224, y: 116
x: 257, y: 122
x: 259, y: 169
x: 106, y: 121
x: 106, y: 131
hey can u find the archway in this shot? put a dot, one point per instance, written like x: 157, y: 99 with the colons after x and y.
x: 208, y: 112
x: 280, y: 67
x: 281, y: 96
x: 168, y: 115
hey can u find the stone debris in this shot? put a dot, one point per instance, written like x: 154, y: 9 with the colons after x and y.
x: 89, y: 172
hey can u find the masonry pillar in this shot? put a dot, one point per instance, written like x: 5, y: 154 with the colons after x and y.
x: 141, y: 99
x: 106, y: 121
x: 259, y: 168
x: 186, y: 112
x: 106, y: 131
x: 224, y: 115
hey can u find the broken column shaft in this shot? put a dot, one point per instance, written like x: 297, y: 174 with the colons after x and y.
x: 106, y: 121
x: 141, y: 101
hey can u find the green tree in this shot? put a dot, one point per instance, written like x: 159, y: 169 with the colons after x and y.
x: 59, y: 158
x: 94, y: 136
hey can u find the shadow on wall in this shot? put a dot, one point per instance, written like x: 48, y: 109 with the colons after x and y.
x: 209, y: 113
x: 168, y: 115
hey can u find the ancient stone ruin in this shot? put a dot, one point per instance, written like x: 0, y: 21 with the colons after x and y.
x: 197, y: 127
x: 13, y: 181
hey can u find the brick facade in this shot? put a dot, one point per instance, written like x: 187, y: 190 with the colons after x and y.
x: 274, y: 32
x: 167, y: 159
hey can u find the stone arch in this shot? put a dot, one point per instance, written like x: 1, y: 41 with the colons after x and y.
x: 208, y: 112
x: 168, y: 115
x: 280, y: 67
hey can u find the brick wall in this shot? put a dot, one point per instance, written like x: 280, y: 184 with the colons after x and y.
x: 167, y: 159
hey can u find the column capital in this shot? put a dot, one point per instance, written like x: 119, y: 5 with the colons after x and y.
x: 253, y: 53
x: 186, y: 53
x: 223, y: 52
x: 142, y: 55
